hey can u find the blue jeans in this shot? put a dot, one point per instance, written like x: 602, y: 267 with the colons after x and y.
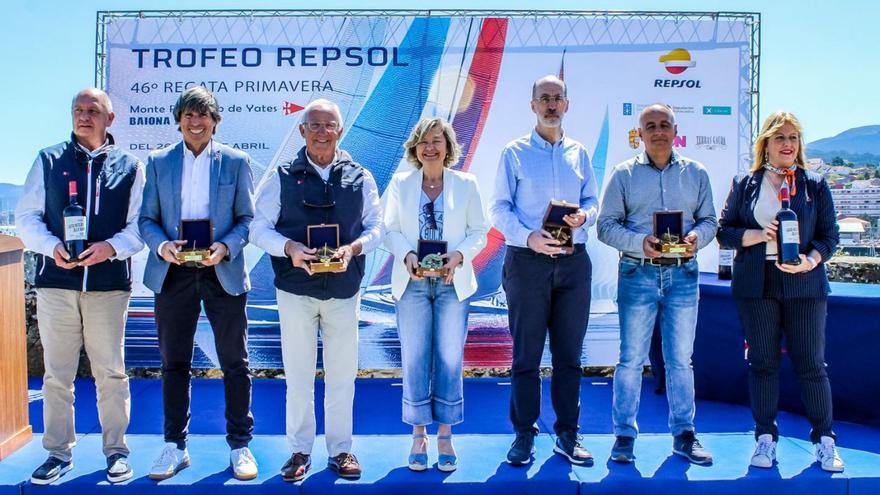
x: 432, y: 324
x: 645, y: 292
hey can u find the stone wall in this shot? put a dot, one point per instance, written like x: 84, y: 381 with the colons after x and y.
x: 859, y: 269
x: 34, y: 346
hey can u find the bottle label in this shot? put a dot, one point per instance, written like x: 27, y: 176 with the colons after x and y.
x: 790, y: 232
x: 75, y: 228
x: 725, y: 257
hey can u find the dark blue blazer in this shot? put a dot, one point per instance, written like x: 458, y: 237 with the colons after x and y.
x: 818, y: 230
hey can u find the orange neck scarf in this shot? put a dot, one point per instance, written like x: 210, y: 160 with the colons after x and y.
x: 788, y: 173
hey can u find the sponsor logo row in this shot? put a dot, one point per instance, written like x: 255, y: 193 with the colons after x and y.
x: 709, y: 143
x: 635, y: 108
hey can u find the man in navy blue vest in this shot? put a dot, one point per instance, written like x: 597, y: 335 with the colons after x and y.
x: 198, y: 179
x: 322, y: 185
x: 83, y: 303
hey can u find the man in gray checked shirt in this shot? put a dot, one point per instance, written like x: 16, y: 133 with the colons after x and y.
x: 651, y: 285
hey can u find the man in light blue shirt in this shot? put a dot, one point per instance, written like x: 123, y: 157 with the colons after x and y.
x: 652, y: 285
x: 547, y: 289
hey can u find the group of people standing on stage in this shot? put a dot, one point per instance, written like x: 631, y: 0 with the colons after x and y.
x: 547, y: 285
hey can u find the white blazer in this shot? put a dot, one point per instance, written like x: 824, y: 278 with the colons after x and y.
x: 464, y: 225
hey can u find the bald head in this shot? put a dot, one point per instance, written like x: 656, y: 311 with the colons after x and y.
x: 658, y: 131
x: 657, y: 108
x: 94, y: 93
x: 550, y: 81
x: 92, y: 114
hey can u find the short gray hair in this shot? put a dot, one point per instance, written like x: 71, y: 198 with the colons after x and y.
x: 322, y: 102
x: 453, y: 149
x: 99, y: 95
x: 197, y: 99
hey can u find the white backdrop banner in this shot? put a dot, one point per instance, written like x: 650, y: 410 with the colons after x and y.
x: 386, y: 72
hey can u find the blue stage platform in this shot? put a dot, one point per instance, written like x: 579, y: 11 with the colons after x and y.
x: 382, y: 443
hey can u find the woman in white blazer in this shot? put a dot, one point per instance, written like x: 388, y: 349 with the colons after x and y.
x: 436, y: 203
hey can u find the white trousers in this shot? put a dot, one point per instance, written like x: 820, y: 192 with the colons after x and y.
x: 302, y: 318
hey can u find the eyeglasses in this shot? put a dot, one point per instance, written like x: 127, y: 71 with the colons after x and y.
x: 544, y: 100
x: 316, y: 126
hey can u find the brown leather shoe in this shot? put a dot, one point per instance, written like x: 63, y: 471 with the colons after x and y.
x: 346, y: 465
x: 296, y: 467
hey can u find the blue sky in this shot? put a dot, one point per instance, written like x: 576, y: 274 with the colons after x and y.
x: 818, y: 62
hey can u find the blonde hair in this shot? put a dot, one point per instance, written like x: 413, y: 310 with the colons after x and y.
x: 453, y: 150
x: 773, y: 123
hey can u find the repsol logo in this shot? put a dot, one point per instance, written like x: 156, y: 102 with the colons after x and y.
x: 677, y: 83
x: 285, y: 56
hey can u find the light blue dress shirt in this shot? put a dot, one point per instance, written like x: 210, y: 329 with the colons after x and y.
x: 532, y: 172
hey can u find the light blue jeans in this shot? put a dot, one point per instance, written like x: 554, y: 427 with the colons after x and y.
x: 644, y: 293
x: 432, y: 324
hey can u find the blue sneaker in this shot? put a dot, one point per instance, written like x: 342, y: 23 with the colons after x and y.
x: 568, y: 445
x: 522, y: 449
x: 687, y: 446
x: 50, y: 471
x: 622, y: 451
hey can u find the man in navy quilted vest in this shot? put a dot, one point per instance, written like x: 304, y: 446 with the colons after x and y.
x: 82, y: 300
x: 322, y: 185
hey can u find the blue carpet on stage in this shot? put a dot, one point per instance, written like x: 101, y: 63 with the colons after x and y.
x: 382, y: 443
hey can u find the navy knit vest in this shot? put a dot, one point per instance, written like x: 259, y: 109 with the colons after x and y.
x: 109, y: 176
x: 306, y: 200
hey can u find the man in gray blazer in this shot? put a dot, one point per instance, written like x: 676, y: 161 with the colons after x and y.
x: 198, y: 179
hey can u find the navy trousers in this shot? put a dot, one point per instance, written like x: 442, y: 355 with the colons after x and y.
x: 177, y: 314
x: 801, y: 321
x: 546, y: 296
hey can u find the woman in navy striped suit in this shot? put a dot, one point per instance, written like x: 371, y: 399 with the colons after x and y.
x: 783, y: 300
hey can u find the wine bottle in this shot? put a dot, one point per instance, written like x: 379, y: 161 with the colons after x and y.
x: 725, y: 264
x: 788, y: 239
x: 74, y: 225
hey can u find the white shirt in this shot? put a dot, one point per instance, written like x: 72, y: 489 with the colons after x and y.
x: 195, y: 191
x: 766, y: 208
x: 36, y: 236
x: 268, y: 209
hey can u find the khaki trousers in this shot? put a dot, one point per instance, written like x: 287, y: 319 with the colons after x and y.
x: 301, y: 318
x: 69, y: 319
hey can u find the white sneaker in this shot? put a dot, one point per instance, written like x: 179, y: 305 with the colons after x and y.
x: 169, y: 463
x: 244, y: 466
x: 827, y: 456
x: 765, y: 452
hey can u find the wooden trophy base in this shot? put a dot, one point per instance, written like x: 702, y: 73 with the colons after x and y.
x: 431, y: 273
x: 334, y: 266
